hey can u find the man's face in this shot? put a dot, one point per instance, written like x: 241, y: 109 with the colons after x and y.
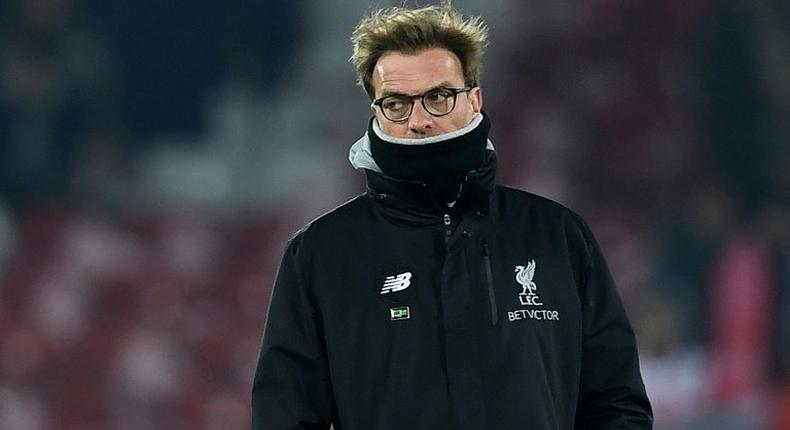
x: 399, y: 73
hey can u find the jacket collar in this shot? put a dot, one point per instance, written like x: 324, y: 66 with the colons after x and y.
x: 413, y: 203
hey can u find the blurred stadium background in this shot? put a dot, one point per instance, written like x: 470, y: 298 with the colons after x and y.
x: 155, y: 157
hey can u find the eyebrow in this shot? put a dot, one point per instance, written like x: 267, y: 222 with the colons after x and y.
x: 387, y: 93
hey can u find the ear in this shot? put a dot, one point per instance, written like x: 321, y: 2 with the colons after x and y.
x: 476, y: 97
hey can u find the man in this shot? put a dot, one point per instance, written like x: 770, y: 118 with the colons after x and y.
x: 438, y: 300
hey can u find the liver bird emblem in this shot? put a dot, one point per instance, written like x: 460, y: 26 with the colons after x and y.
x: 524, y: 277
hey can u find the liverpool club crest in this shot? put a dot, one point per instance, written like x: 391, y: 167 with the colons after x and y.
x: 524, y: 275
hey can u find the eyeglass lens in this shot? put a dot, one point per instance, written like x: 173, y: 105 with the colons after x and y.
x: 439, y: 101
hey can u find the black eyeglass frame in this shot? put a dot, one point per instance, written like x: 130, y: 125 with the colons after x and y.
x: 453, y: 91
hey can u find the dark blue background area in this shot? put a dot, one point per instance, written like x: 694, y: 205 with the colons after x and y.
x: 171, y: 55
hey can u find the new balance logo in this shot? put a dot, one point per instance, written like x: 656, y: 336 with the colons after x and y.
x: 395, y: 283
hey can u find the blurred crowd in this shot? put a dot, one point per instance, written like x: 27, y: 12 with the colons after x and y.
x: 156, y: 156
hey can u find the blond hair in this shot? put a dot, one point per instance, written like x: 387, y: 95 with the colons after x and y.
x: 410, y: 31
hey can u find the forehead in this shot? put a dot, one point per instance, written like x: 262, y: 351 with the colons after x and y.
x: 414, y: 73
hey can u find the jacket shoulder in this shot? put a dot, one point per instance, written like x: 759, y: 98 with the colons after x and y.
x: 516, y: 200
x: 528, y: 208
x: 334, y: 222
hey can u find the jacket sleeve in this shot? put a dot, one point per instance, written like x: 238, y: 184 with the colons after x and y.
x: 291, y: 389
x: 611, y: 394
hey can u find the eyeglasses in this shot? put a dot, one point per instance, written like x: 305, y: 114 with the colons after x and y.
x: 437, y: 102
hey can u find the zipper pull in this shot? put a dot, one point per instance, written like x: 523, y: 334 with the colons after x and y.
x: 448, y: 222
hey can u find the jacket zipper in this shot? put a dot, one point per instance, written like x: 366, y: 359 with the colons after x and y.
x: 448, y: 227
x: 490, y: 281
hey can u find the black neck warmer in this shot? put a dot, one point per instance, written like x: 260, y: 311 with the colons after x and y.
x: 441, y: 165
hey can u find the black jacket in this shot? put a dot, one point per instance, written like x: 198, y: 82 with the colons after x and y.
x: 392, y: 313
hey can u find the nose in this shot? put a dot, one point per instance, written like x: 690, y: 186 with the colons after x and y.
x: 420, y: 121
